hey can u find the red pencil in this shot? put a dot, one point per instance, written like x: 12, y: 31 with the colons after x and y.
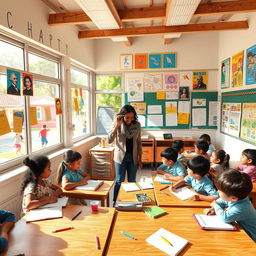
x: 164, y: 188
x: 97, y: 243
x: 62, y: 229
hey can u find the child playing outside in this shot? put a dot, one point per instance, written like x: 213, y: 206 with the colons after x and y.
x: 201, y: 147
x: 248, y: 161
x: 171, y: 168
x: 219, y: 161
x: 69, y: 173
x: 18, y: 138
x: 207, y: 138
x: 43, y: 135
x: 35, y: 187
x: 198, y: 167
x: 7, y: 220
x: 234, y: 204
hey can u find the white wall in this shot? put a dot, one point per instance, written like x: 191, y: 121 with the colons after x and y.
x: 36, y: 13
x: 230, y: 43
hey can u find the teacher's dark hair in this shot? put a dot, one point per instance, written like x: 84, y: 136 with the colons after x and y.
x: 128, y: 109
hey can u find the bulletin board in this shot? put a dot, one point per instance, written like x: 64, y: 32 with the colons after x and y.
x: 206, y: 97
x: 150, y: 98
x: 245, y: 97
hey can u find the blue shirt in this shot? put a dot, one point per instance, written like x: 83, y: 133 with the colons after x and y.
x: 211, y: 149
x: 177, y: 169
x: 5, y: 216
x: 73, y: 176
x: 203, y: 186
x: 241, y: 211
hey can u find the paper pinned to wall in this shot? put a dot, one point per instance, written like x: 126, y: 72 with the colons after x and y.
x: 184, y: 107
x: 152, y: 82
x: 154, y: 109
x: 33, y: 115
x: 172, y: 95
x: 199, y: 117
x: 140, y: 107
x: 171, y: 107
x: 171, y: 120
x: 4, y: 127
x: 160, y: 96
x: 134, y: 88
x: 199, y: 103
x: 17, y: 121
x: 155, y: 120
x: 213, y: 117
x: 183, y: 118
x: 142, y: 120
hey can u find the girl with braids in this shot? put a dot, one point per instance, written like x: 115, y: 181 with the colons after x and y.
x: 35, y: 187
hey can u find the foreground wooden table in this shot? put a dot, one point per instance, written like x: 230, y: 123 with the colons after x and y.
x: 179, y: 221
x: 101, y: 194
x: 37, y: 239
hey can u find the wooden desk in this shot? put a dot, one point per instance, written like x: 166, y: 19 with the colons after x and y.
x: 172, y: 200
x: 37, y: 239
x: 252, y: 195
x: 131, y: 196
x: 181, y: 222
x: 101, y: 194
x: 148, y: 146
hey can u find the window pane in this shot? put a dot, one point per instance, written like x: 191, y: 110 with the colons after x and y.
x: 79, y: 112
x: 47, y: 130
x: 109, y: 100
x: 12, y: 144
x: 78, y: 77
x: 108, y: 82
x: 43, y: 66
x: 11, y: 56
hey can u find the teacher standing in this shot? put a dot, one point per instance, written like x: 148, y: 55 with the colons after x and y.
x: 127, y: 155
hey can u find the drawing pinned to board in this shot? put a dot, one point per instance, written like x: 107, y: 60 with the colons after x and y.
x: 169, y: 60
x: 5, y: 126
x: 200, y: 80
x: 186, y: 79
x: 155, y: 60
x: 251, y: 65
x: 225, y: 73
x: 140, y: 61
x: 237, y: 69
x: 153, y: 82
x: 172, y: 95
x: 140, y: 107
x: 13, y: 82
x: 184, y: 93
x: 126, y: 61
x: 171, y: 82
x: 135, y: 89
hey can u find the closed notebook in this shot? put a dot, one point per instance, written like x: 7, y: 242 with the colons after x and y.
x: 213, y: 222
x: 155, y: 212
x: 44, y: 214
x: 167, y: 242
x: 143, y: 198
x: 128, y: 206
x: 91, y: 186
x: 130, y: 187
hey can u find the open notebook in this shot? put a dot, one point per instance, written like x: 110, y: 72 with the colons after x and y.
x: 130, y: 187
x: 213, y: 222
x: 62, y: 202
x: 91, y: 186
x: 183, y: 193
x: 44, y: 214
x: 145, y: 185
x: 167, y: 242
x: 159, y: 178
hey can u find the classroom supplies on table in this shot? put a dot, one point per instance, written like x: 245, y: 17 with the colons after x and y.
x: 128, y: 235
x: 97, y: 242
x: 62, y: 229
x: 92, y: 185
x: 165, y: 187
x: 167, y: 242
x: 166, y: 182
x: 213, y: 222
x: 183, y: 193
x: 128, y: 206
x: 143, y: 198
x: 154, y: 212
x: 159, y: 178
x: 62, y: 202
x: 145, y: 185
x: 75, y: 216
x: 130, y: 187
x: 44, y: 214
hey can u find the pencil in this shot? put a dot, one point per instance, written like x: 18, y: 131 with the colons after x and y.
x: 97, y: 242
x: 76, y: 215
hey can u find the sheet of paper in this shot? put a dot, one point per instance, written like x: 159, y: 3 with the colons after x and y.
x: 44, y: 214
x: 172, y: 95
x: 152, y: 82
x: 17, y: 121
x: 33, y: 115
x: 199, y: 103
x: 198, y: 116
x: 145, y: 185
x: 183, y: 193
x: 62, y: 202
x: 160, y: 95
x: 155, y: 120
x: 159, y: 178
x: 184, y: 107
x: 171, y: 107
x: 91, y: 185
x: 154, y: 109
x: 213, y: 117
x: 134, y: 88
x: 142, y: 120
x: 4, y: 127
x: 130, y: 187
x: 140, y: 107
x: 183, y: 118
x: 171, y: 120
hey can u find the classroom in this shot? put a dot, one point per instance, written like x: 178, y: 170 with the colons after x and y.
x: 72, y: 73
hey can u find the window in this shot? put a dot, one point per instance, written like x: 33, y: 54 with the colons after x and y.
x: 80, y: 103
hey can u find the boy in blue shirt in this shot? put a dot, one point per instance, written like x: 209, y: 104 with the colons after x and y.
x: 234, y: 204
x: 7, y: 221
x: 207, y: 138
x: 171, y: 168
x: 198, y: 167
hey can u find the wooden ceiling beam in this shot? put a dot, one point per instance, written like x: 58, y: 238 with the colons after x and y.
x: 168, y: 40
x: 69, y: 18
x: 140, y: 31
x: 128, y: 42
x: 114, y: 12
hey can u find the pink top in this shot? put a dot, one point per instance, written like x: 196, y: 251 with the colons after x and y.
x: 43, y: 132
x: 250, y: 170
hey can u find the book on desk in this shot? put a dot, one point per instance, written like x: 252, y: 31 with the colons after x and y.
x: 143, y: 198
x: 128, y: 206
x: 92, y: 185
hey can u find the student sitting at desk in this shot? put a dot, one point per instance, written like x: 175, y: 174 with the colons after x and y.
x: 69, y: 173
x: 171, y: 168
x: 198, y: 167
x: 219, y: 162
x: 178, y: 145
x: 6, y: 222
x: 201, y: 148
x: 234, y: 204
x: 35, y: 187
x: 207, y: 138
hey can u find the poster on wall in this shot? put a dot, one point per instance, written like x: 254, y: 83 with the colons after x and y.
x: 186, y: 79
x: 126, y: 61
x: 13, y: 82
x: 200, y: 80
x: 171, y: 82
x: 248, y: 124
x: 27, y: 81
x: 155, y: 60
x: 140, y: 107
x: 184, y: 93
x: 225, y: 117
x: 169, y: 60
x: 237, y: 69
x: 17, y: 121
x: 140, y: 61
x: 4, y: 127
x: 153, y: 82
x: 225, y: 73
x: 251, y: 65
x: 134, y: 88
